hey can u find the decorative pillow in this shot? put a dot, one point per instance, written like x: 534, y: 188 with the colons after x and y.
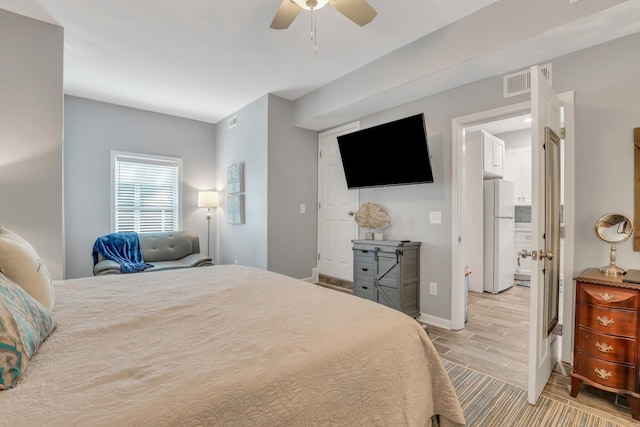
x: 24, y: 324
x: 20, y: 262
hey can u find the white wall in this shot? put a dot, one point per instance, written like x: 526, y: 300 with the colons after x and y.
x: 31, y: 135
x: 92, y: 130
x: 516, y: 139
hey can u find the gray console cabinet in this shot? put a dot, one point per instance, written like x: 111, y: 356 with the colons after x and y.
x: 388, y: 272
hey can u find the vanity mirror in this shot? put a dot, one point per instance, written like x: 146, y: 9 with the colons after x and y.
x: 613, y: 229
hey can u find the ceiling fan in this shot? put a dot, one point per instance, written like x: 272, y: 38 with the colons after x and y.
x: 359, y: 11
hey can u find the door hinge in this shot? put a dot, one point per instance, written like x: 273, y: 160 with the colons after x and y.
x: 558, y: 330
x: 318, y: 256
x: 562, y: 133
x: 320, y: 153
x: 319, y: 205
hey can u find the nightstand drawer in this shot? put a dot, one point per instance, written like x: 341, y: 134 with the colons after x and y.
x: 608, y: 296
x: 614, y: 375
x: 364, y: 254
x: 614, y: 322
x: 611, y: 348
x: 364, y: 290
x: 364, y: 272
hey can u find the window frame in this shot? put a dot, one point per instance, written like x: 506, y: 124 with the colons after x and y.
x: 144, y: 158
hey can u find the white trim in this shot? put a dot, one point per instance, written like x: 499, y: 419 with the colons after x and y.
x: 568, y: 288
x: 308, y: 280
x: 435, y: 321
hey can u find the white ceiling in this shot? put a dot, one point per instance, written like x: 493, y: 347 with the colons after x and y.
x: 205, y: 59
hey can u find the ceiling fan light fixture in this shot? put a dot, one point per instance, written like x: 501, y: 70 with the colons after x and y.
x: 311, y: 4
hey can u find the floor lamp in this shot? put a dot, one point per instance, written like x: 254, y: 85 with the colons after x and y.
x: 208, y: 199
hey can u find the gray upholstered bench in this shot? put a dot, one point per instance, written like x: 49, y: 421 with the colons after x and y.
x: 166, y: 250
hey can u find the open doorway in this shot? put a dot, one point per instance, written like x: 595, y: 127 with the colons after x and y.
x: 459, y: 127
x: 496, y: 213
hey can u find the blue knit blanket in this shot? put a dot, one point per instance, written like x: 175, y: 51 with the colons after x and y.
x: 123, y: 248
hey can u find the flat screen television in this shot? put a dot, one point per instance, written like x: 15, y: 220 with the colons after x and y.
x: 394, y: 153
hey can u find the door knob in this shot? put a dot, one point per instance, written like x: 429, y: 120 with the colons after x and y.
x: 350, y: 213
x: 524, y: 253
x: 547, y: 255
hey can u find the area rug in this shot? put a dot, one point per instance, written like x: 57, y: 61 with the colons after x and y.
x: 487, y: 401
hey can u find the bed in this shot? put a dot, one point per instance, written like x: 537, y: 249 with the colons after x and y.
x: 227, y: 345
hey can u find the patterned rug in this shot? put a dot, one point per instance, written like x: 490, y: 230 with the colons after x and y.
x: 487, y: 401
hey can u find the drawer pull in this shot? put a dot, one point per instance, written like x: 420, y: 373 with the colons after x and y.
x: 604, y: 347
x: 602, y: 373
x: 365, y: 287
x: 605, y: 321
x: 606, y: 296
x: 365, y: 269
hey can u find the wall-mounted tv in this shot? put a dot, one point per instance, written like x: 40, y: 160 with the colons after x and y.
x: 394, y: 153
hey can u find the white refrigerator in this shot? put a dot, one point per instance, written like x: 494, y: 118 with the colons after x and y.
x: 499, y: 234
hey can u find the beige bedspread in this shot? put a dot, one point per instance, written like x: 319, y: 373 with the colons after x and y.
x: 227, y: 345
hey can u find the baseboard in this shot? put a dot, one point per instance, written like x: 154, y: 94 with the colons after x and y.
x: 308, y: 279
x: 435, y: 321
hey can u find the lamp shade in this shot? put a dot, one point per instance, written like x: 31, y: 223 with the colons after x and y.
x: 208, y: 199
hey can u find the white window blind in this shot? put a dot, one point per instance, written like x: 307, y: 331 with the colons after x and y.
x: 146, y: 192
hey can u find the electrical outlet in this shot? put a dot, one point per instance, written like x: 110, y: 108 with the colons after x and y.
x: 303, y: 208
x: 433, y: 288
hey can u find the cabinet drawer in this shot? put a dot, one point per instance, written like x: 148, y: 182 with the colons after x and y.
x: 364, y: 272
x: 364, y: 253
x: 611, y: 348
x: 364, y: 260
x: 614, y: 375
x: 364, y: 290
x: 614, y: 322
x: 608, y: 296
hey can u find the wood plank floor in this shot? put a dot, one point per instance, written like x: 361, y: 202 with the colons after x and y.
x: 495, y: 342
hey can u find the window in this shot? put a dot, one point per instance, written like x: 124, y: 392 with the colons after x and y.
x: 146, y: 192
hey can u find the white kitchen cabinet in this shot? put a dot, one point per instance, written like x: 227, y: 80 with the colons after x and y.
x: 492, y: 152
x: 517, y: 168
x: 493, y: 155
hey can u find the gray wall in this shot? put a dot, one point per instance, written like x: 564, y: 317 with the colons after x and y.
x: 245, y: 143
x: 92, y: 130
x: 281, y: 173
x: 31, y: 103
x: 293, y: 178
x: 604, y: 79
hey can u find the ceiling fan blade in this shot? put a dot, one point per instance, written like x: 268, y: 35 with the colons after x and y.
x: 359, y: 11
x: 285, y: 15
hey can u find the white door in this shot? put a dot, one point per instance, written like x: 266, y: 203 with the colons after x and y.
x: 336, y: 207
x: 545, y: 228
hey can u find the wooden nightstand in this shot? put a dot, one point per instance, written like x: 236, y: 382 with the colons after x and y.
x: 606, y: 351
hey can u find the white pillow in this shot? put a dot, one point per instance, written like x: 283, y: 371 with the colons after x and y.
x: 20, y: 262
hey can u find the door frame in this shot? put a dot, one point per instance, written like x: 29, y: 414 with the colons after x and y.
x: 458, y: 125
x: 353, y: 126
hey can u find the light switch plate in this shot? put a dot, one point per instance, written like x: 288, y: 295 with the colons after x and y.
x: 435, y: 217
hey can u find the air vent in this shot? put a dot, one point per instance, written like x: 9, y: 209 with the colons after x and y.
x: 233, y: 121
x: 520, y: 82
